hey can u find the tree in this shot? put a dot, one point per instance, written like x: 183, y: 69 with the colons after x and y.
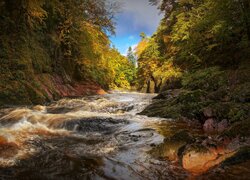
x: 143, y: 35
x: 131, y: 56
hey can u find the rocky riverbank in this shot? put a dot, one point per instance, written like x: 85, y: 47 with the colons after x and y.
x: 45, y: 88
x: 217, y: 103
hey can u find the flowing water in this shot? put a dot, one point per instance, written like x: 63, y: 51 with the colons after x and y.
x: 97, y: 137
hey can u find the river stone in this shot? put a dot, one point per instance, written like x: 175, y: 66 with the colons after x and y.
x: 198, y: 158
x: 223, y: 125
x: 199, y: 161
x: 39, y: 108
x: 210, y: 126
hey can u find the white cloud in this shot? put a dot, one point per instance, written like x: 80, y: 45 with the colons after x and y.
x: 142, y: 14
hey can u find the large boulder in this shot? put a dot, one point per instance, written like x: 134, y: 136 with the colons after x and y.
x: 199, y: 159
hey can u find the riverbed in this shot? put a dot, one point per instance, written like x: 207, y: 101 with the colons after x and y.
x: 95, y: 137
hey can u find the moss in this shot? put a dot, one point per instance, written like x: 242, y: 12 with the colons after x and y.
x: 14, y: 94
x: 209, y: 79
x: 181, y: 135
x: 241, y: 128
x: 191, y: 96
x: 34, y: 95
x: 186, y: 104
x: 199, y: 148
x: 222, y: 94
x: 241, y: 93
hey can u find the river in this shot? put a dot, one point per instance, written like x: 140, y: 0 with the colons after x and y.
x: 95, y: 137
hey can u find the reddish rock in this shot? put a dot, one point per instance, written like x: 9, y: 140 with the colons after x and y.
x: 210, y: 126
x: 223, y: 125
x: 55, y: 87
x: 200, y: 162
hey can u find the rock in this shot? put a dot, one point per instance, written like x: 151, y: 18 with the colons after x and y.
x: 198, y: 162
x: 173, y: 147
x: 199, y: 158
x: 169, y: 94
x: 208, y: 112
x: 210, y: 126
x: 39, y: 108
x: 223, y: 125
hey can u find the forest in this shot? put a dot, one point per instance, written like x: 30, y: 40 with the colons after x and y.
x: 50, y: 48
x: 189, y: 116
x: 199, y: 53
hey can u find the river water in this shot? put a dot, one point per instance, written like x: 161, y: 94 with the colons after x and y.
x: 96, y: 137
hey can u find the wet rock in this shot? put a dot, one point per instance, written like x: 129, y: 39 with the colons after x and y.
x: 59, y: 110
x: 169, y: 94
x: 129, y: 108
x: 234, y: 144
x: 210, y: 126
x: 199, y: 159
x: 173, y: 147
x: 39, y: 108
x: 87, y: 125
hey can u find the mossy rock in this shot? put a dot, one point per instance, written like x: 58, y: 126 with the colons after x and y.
x: 241, y: 129
x: 209, y: 79
x: 187, y: 104
x: 161, y: 108
x: 231, y: 111
x: 191, y: 96
x: 241, y: 93
x: 170, y: 94
x: 222, y: 94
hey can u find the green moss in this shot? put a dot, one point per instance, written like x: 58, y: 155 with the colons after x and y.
x: 206, y: 79
x: 241, y: 128
x: 191, y: 96
x: 186, y: 104
x: 241, y: 93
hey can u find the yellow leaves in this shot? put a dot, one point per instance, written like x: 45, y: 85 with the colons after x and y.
x: 167, y: 70
x: 36, y: 14
x: 141, y: 47
x: 166, y: 38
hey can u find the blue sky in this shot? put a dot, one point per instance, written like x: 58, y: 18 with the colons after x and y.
x: 136, y: 16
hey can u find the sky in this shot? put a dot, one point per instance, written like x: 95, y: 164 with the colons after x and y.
x: 135, y: 16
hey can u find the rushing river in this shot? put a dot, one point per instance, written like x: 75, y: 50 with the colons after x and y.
x: 97, y: 137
